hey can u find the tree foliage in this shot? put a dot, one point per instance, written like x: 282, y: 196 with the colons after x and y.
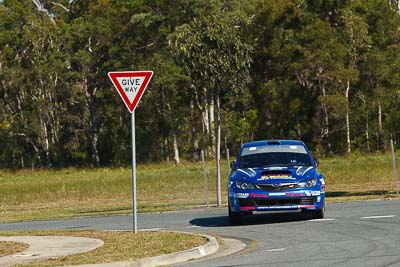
x: 326, y: 72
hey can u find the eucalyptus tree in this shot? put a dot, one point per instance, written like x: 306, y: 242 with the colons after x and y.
x: 298, y: 56
x: 274, y: 29
x: 217, y: 62
x: 356, y: 41
x: 378, y: 75
x: 33, y: 76
x: 13, y: 128
x: 321, y: 58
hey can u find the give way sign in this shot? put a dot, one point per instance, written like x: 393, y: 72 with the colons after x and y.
x: 130, y: 85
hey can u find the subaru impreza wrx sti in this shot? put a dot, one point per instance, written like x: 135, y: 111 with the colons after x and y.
x: 275, y: 175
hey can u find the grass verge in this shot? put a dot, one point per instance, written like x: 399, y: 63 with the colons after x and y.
x: 42, y: 194
x: 10, y: 247
x: 118, y: 246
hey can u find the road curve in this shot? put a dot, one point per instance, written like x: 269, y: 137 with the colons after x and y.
x: 352, y: 234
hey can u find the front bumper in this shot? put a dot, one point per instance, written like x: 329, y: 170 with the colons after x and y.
x: 258, y: 200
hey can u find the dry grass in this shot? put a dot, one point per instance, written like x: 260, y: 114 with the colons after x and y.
x: 42, y: 194
x: 119, y: 246
x: 9, y: 247
x: 28, y: 195
x: 359, y: 177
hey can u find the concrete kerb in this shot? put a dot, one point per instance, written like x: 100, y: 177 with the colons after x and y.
x: 207, y: 249
x: 58, y: 246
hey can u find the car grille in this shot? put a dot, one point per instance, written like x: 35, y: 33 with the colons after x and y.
x: 245, y: 202
x: 276, y: 187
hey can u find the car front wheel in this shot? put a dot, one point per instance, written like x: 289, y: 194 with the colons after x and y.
x: 235, y: 218
x: 319, y: 214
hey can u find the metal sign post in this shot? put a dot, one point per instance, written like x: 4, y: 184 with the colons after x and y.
x: 396, y: 182
x: 204, y: 177
x: 131, y: 85
x: 134, y: 175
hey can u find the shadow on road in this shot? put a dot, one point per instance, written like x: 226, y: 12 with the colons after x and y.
x: 255, y: 219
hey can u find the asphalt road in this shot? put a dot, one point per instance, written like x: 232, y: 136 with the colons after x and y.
x: 352, y: 234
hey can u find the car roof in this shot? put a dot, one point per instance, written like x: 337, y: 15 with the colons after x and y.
x: 274, y: 142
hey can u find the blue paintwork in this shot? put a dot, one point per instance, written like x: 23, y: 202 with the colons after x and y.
x: 285, y: 199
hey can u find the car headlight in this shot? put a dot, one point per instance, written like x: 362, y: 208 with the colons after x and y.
x: 307, y: 184
x: 245, y: 185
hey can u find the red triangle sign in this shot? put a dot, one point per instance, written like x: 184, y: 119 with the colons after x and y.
x: 130, y: 85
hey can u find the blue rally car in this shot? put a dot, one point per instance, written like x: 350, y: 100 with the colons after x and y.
x: 275, y: 175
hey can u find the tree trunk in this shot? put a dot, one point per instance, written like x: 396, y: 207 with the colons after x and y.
x: 298, y: 128
x: 165, y: 125
x: 380, y: 126
x: 195, y: 141
x: 348, y: 117
x: 380, y: 116
x: 92, y: 120
x: 176, y: 151
x: 325, y: 123
x: 166, y: 149
x: 398, y: 7
x: 45, y: 141
x: 206, y: 124
x: 94, y: 137
x: 47, y: 146
x: 367, y: 133
x: 202, y: 106
x: 212, y: 126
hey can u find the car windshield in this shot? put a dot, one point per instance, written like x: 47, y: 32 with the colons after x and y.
x: 274, y: 159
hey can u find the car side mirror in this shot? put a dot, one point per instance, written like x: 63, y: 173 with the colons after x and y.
x: 316, y: 162
x: 233, y: 165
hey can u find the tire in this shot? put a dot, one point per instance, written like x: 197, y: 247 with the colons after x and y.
x: 235, y: 218
x: 319, y: 214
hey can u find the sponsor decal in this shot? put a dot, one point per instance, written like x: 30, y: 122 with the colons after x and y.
x: 278, y: 207
x: 316, y: 193
x: 242, y: 195
x: 275, y: 177
x: 322, y: 181
x: 258, y: 195
x: 295, y: 194
x: 277, y: 194
x: 319, y: 199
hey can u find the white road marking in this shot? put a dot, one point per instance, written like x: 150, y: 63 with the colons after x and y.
x: 323, y: 220
x: 275, y: 250
x: 192, y: 226
x: 379, y: 217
